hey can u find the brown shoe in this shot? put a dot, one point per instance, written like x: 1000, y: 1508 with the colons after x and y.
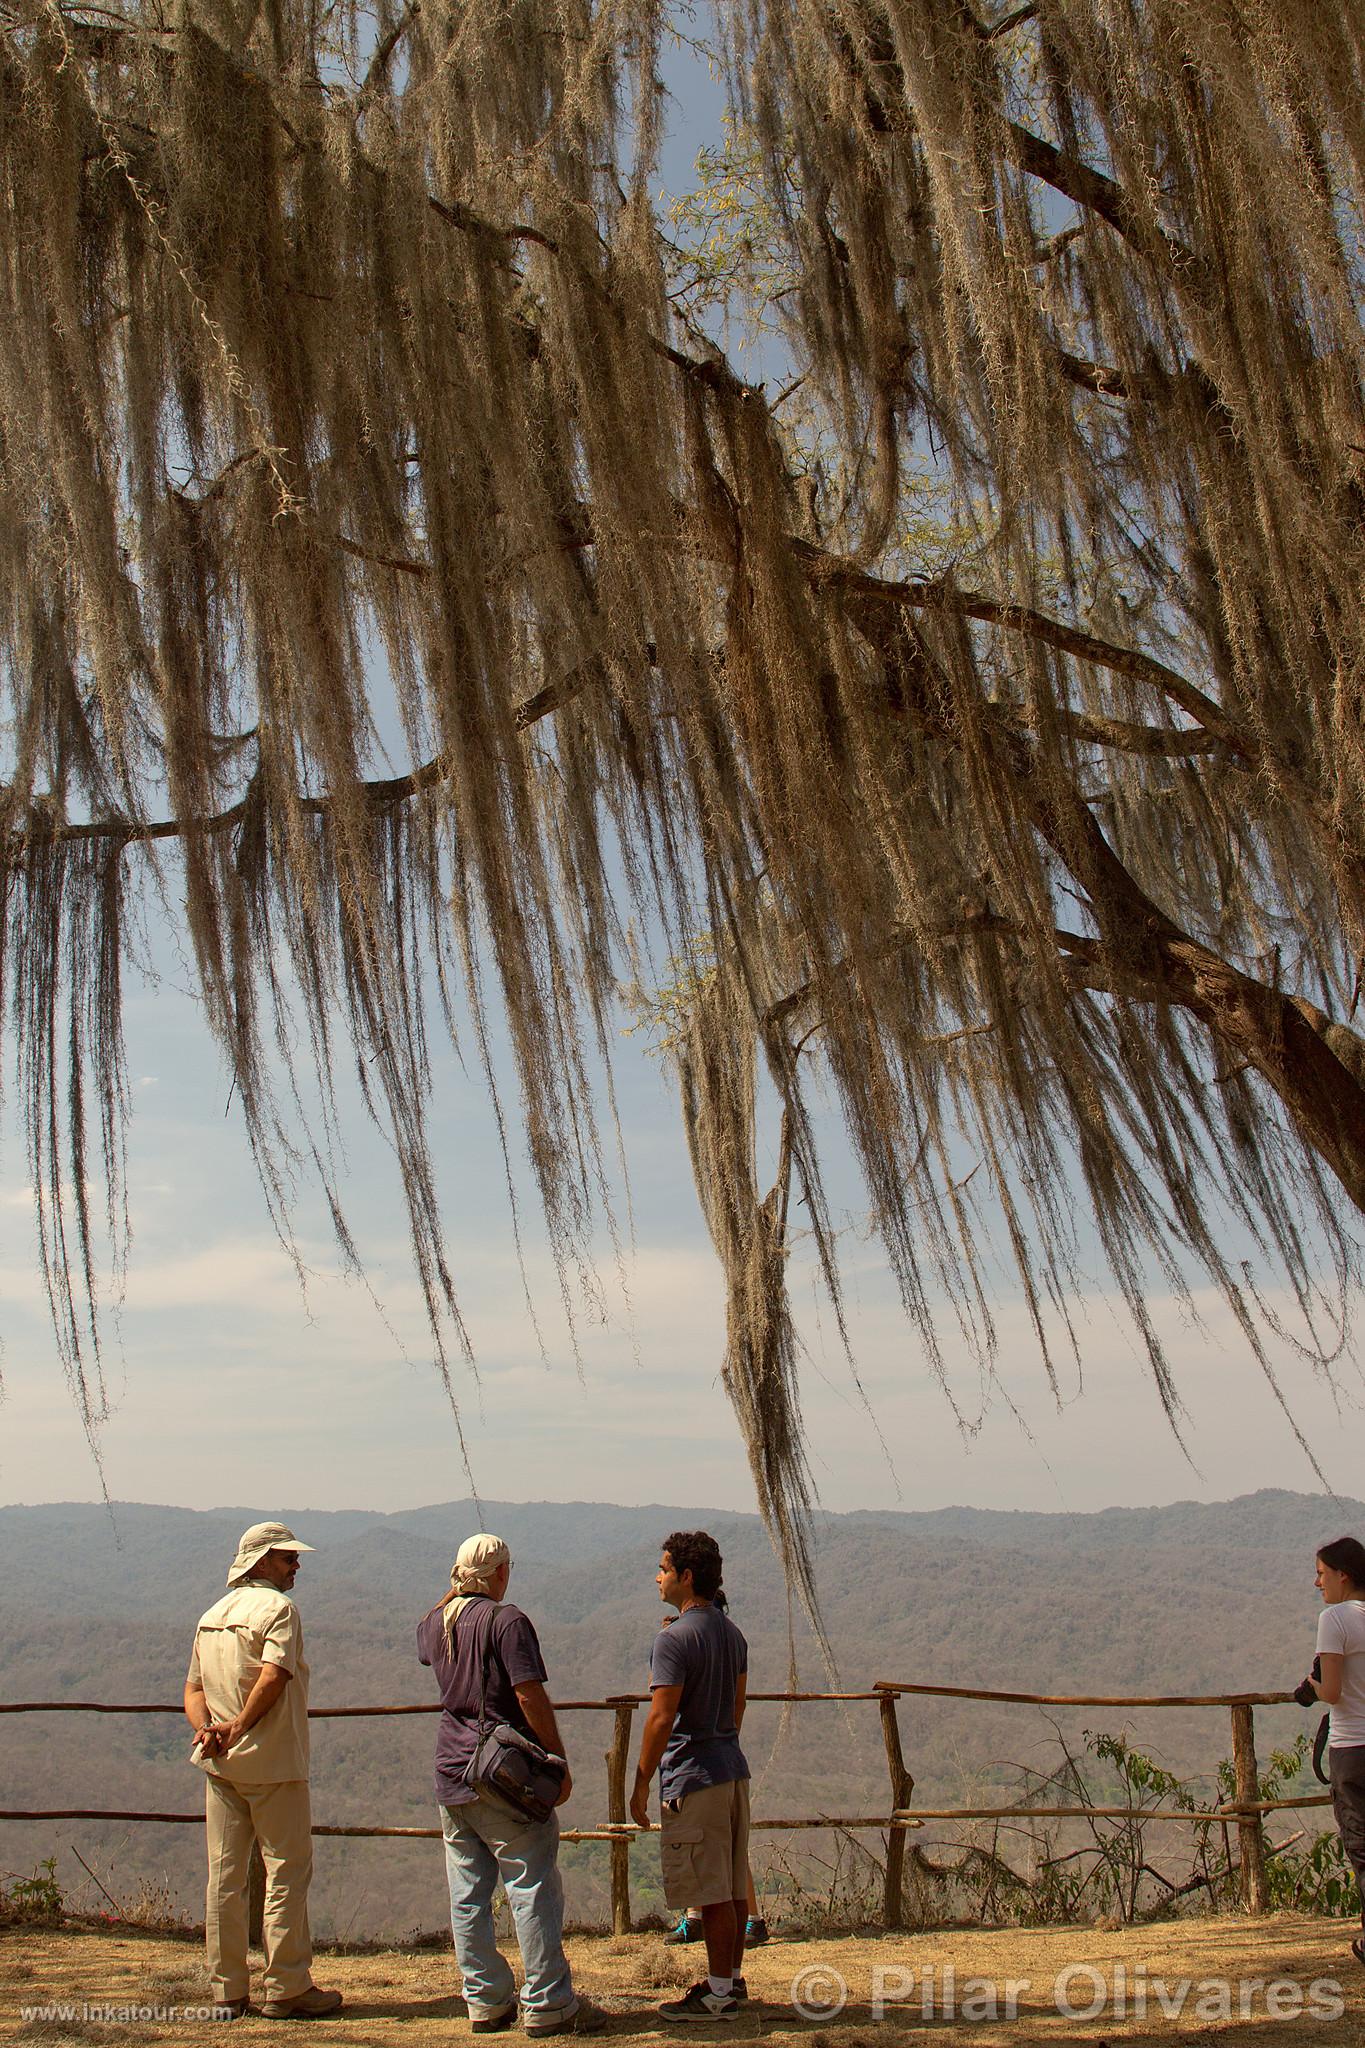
x: 229, y: 2008
x: 311, y: 2004
x: 496, y: 2022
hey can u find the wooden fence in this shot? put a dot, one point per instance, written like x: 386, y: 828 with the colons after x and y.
x: 1245, y: 1810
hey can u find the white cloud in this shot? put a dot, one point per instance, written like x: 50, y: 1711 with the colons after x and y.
x: 219, y: 1345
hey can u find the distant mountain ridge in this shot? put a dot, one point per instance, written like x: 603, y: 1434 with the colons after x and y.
x: 100, y: 1604
x: 560, y: 1533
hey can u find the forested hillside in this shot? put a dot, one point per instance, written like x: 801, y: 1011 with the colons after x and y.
x: 101, y: 1607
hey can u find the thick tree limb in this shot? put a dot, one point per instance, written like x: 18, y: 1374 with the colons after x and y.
x: 1316, y: 1075
x: 1250, y: 1020
x: 1311, y: 1062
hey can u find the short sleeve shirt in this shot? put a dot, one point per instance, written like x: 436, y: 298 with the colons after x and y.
x: 705, y: 1654
x: 1341, y: 1630
x: 253, y: 1625
x: 456, y: 1661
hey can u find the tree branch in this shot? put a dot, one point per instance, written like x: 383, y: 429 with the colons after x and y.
x: 989, y: 30
x: 1287, y: 1041
x: 382, y: 793
x: 405, y: 564
x: 384, y: 49
x: 824, y: 570
x: 1169, y: 741
x: 463, y: 217
x: 832, y: 569
x: 1103, y: 378
x: 1302, y: 1056
x: 829, y: 570
x: 1094, y: 191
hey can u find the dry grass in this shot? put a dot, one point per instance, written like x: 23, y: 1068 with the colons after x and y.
x: 397, y: 1996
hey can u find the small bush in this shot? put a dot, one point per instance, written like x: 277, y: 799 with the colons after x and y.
x: 1317, y: 1879
x: 35, y: 1901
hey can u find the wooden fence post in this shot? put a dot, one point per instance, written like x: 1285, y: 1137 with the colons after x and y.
x: 1250, y: 1826
x: 902, y: 1785
x: 618, y: 1759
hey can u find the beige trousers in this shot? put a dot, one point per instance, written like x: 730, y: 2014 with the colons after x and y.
x: 278, y: 1817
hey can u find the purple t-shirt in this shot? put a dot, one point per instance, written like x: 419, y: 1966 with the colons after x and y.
x: 515, y: 1660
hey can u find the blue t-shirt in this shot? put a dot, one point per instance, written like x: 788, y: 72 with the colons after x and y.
x: 705, y: 1654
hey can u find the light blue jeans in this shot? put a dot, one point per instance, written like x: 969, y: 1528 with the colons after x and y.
x: 486, y: 1840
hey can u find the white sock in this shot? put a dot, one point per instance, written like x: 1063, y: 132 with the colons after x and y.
x: 722, y: 1986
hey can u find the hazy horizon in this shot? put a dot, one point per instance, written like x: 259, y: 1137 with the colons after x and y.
x: 674, y: 1508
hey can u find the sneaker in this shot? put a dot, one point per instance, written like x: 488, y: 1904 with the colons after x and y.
x: 739, y: 1990
x: 700, y: 2003
x: 755, y: 1933
x: 312, y: 2004
x: 587, y: 2019
x: 687, y: 1929
x: 1358, y: 1949
x: 495, y: 2022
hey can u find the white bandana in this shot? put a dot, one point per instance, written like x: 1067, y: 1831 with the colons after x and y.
x: 472, y: 1574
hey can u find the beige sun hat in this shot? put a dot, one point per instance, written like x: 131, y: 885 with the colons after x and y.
x: 256, y: 1540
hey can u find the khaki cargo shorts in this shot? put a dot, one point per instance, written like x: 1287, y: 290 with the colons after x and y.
x: 704, y: 1846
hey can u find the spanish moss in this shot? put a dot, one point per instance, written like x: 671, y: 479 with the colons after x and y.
x: 992, y: 704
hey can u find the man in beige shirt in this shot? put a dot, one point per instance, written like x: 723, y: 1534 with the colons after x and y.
x: 246, y: 1698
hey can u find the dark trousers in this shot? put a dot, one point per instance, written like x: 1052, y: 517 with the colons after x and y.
x: 1347, y: 1769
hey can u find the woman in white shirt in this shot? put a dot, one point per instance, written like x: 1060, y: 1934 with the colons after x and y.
x: 1341, y: 1688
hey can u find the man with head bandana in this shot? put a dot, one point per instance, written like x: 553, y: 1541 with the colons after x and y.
x: 246, y: 1698
x: 486, y: 1838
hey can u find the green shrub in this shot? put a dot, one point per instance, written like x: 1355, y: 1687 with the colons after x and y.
x: 35, y: 1899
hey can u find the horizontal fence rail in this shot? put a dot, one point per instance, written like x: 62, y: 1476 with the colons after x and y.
x: 631, y: 1699
x: 1091, y: 1699
x: 609, y: 1831
x: 1245, y: 1811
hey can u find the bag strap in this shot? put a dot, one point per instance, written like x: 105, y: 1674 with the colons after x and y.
x: 484, y: 1660
x: 1320, y: 1742
x: 483, y: 1670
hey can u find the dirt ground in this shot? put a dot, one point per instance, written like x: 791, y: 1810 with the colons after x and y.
x: 1271, y: 1982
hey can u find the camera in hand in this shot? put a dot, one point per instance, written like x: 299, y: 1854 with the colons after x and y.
x: 1303, y: 1691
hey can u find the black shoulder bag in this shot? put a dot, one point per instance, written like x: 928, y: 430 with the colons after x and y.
x: 507, y: 1762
